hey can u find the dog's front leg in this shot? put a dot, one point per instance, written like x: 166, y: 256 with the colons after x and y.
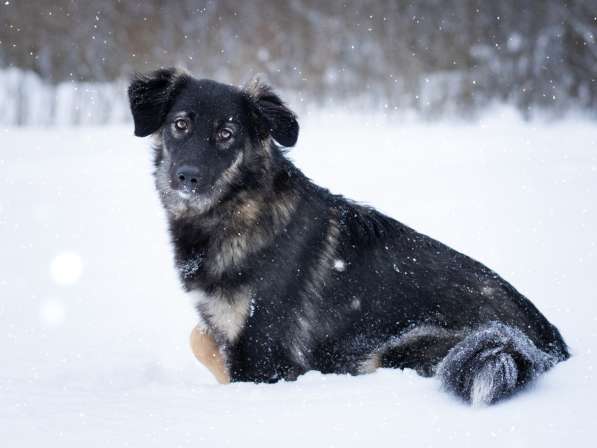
x: 207, y: 352
x: 254, y: 359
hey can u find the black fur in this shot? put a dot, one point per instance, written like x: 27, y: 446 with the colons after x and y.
x: 491, y: 362
x: 151, y: 98
x: 291, y: 277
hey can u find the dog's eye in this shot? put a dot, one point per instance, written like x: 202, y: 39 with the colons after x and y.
x: 224, y: 134
x: 181, y: 124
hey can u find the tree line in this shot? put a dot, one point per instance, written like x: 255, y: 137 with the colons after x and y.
x: 437, y: 57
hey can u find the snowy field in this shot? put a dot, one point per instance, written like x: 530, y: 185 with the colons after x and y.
x: 94, y: 326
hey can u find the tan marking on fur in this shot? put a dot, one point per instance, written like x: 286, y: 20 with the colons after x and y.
x: 206, y: 351
x: 283, y: 209
x: 423, y: 331
x: 373, y: 361
x: 157, y: 139
x: 228, y: 175
x: 205, y: 202
x: 248, y: 211
x: 371, y: 364
x: 198, y: 204
x: 321, y: 269
x: 318, y: 275
x: 226, y: 314
x: 246, y: 235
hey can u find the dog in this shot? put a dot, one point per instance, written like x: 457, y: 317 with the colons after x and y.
x: 288, y: 277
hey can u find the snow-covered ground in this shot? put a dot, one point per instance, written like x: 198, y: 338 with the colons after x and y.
x: 94, y: 326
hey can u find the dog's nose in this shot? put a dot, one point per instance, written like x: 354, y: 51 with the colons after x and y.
x: 187, y: 176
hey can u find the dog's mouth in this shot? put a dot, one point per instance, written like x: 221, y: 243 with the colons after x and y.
x: 185, y: 194
x: 188, y: 194
x: 191, y: 198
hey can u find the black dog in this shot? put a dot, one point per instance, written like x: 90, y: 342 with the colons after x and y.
x: 289, y: 277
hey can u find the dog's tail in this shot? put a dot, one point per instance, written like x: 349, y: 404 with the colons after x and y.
x: 491, y: 363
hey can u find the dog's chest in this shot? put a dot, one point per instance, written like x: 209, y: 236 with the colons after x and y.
x: 224, y: 314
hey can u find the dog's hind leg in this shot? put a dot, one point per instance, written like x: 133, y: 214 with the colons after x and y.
x: 491, y: 363
x: 421, y: 348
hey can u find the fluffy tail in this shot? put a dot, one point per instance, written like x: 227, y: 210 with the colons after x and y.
x: 491, y: 363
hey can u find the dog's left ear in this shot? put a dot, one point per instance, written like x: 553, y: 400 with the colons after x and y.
x: 271, y: 115
x: 151, y: 96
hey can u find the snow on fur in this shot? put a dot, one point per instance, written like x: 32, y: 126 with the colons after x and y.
x: 491, y: 362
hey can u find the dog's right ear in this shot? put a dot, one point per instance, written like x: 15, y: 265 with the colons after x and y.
x: 151, y: 96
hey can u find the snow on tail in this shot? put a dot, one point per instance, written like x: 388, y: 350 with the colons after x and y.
x: 491, y: 363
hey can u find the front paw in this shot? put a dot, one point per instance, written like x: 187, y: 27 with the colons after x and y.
x: 206, y: 350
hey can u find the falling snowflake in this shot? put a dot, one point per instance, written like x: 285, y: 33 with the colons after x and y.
x: 339, y: 265
x: 66, y: 268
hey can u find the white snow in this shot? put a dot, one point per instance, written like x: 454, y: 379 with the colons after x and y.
x: 339, y: 265
x: 94, y: 351
x: 52, y: 312
x: 66, y: 268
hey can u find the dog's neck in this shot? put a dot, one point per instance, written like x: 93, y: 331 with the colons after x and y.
x: 213, y: 245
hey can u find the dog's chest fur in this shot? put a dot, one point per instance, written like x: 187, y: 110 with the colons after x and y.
x: 224, y: 315
x: 218, y: 259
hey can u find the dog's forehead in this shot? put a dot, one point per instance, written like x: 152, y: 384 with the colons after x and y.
x: 209, y: 98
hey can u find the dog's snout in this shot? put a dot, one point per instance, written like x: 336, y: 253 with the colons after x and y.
x: 187, y: 176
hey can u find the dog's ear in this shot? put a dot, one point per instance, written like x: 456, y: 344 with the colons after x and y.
x: 151, y: 96
x: 271, y: 115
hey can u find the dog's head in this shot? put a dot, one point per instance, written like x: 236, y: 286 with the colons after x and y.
x: 207, y: 133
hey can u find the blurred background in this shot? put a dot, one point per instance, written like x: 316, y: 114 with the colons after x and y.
x: 67, y: 61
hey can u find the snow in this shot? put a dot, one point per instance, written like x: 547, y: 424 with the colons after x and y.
x: 66, y: 268
x: 339, y: 265
x: 94, y: 326
x: 28, y: 99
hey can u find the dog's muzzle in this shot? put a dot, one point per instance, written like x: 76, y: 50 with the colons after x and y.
x: 186, y: 179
